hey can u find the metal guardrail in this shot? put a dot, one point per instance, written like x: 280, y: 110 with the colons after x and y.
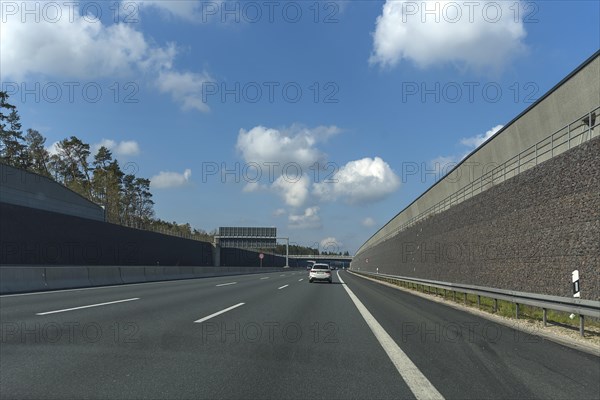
x: 577, y: 132
x: 581, y: 307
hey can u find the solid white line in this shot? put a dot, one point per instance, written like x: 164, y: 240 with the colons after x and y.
x: 284, y: 286
x: 282, y: 275
x: 266, y: 277
x: 91, y: 305
x: 414, y: 378
x: 225, y: 284
x: 300, y: 280
x: 218, y: 313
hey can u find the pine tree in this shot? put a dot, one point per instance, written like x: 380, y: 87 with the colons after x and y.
x: 37, y: 156
x: 12, y: 147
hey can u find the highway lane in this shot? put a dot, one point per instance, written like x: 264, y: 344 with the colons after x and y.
x: 14, y: 304
x: 469, y: 357
x: 289, y: 339
x: 312, y: 343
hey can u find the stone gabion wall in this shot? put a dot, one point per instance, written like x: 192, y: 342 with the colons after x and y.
x: 526, y: 234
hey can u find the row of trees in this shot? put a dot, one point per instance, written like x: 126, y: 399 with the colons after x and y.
x: 126, y: 198
x: 304, y: 250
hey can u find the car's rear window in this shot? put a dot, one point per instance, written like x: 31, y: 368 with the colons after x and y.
x: 320, y: 267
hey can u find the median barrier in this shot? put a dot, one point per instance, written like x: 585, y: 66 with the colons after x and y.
x: 200, y: 272
x: 67, y: 277
x: 132, y: 274
x: 169, y: 273
x: 22, y: 279
x: 186, y: 272
x: 153, y: 274
x: 102, y: 276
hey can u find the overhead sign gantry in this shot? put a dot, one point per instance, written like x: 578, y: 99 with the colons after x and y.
x: 251, y: 238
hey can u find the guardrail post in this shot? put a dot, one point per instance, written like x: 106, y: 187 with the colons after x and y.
x: 454, y: 295
x: 495, y: 305
x: 545, y: 316
x: 478, y: 301
x: 581, y: 325
x: 517, y: 310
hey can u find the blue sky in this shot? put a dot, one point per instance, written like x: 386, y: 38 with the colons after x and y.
x: 355, y: 91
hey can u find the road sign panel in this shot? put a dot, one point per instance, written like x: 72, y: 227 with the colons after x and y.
x: 247, y: 237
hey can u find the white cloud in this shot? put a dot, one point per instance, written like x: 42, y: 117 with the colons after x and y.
x: 52, y: 149
x: 253, y: 187
x: 82, y: 47
x: 185, y: 88
x: 122, y: 148
x: 476, y: 141
x: 308, y: 220
x: 296, y: 144
x: 279, y: 212
x: 170, y: 179
x: 285, y: 157
x: 294, y: 192
x: 480, y: 35
x: 330, y: 244
x: 368, y: 222
x: 359, y: 182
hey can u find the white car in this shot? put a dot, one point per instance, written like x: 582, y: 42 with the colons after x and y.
x: 320, y: 272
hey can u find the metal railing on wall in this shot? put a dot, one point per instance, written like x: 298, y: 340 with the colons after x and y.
x: 577, y: 132
x: 590, y: 308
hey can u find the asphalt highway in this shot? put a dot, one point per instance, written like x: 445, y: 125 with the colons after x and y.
x: 272, y: 336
